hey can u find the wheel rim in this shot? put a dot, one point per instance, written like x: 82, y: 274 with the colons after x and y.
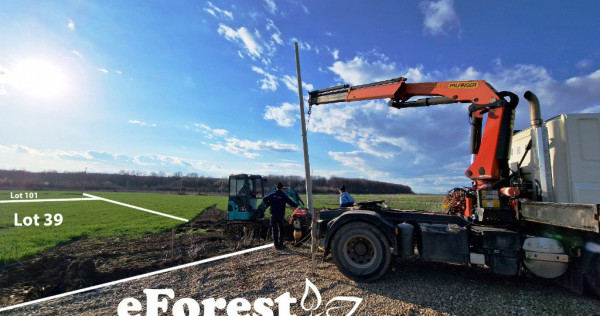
x: 360, y: 252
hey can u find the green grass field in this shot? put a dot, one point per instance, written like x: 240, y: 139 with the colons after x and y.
x: 92, y: 218
x: 425, y: 202
x: 100, y: 218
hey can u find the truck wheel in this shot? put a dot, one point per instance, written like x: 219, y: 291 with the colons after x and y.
x: 361, y: 252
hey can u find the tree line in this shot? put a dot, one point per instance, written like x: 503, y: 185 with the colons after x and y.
x: 132, y: 180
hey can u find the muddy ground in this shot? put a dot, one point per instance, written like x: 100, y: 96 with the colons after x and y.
x: 411, y: 287
x: 86, y: 262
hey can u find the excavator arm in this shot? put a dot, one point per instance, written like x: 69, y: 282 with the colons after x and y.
x: 492, y: 147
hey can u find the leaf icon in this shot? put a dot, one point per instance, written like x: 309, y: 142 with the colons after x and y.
x: 310, y: 287
x: 356, y: 300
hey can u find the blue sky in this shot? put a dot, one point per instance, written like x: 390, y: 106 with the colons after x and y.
x: 210, y: 86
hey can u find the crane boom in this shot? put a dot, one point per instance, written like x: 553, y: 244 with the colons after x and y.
x: 492, y: 147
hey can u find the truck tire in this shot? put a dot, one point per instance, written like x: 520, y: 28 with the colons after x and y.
x: 361, y: 252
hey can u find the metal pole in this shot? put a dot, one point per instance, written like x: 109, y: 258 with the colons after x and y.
x: 84, y: 178
x: 309, y: 197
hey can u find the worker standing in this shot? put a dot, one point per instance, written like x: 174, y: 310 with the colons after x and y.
x: 277, y: 201
x: 346, y: 199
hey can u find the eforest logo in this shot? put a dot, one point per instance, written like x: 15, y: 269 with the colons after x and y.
x: 157, y: 300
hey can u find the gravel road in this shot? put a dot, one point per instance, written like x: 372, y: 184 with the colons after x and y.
x: 411, y: 287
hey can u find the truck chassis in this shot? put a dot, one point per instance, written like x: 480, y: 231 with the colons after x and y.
x: 363, y: 239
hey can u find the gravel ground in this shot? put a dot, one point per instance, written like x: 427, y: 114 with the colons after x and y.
x: 411, y: 287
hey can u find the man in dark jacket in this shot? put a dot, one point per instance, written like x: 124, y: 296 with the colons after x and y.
x: 277, y: 201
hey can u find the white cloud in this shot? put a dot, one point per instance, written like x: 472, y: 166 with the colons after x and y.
x: 270, y: 4
x: 102, y: 70
x: 592, y: 78
x: 359, y: 70
x: 271, y: 26
x: 301, y: 45
x: 440, y: 16
x: 220, y: 132
x: 416, y: 74
x: 253, y: 44
x: 271, y: 82
x: 278, y: 166
x: 71, y: 25
x: 210, y: 11
x: 336, y: 54
x: 88, y: 155
x: 78, y: 53
x: 364, y: 126
x: 268, y: 82
x: 468, y: 74
x: 119, y: 72
x: 161, y: 160
x: 242, y: 36
x: 305, y: 9
x: 250, y: 149
x: 354, y: 161
x: 584, y: 64
x: 573, y: 95
x: 217, y: 12
x: 592, y: 109
x: 21, y: 157
x: 277, y: 38
x: 209, y: 132
x: 140, y: 123
x: 284, y: 115
x: 292, y: 84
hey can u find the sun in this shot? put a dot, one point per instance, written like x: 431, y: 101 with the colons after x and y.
x: 39, y: 78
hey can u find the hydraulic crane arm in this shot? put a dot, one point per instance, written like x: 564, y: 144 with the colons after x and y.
x: 476, y: 92
x: 492, y: 149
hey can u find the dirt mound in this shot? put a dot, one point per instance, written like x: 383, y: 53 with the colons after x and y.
x: 86, y: 262
x: 212, y: 214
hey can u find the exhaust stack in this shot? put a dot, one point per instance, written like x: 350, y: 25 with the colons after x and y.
x: 541, y: 152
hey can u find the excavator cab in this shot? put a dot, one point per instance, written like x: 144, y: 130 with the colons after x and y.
x: 245, y: 197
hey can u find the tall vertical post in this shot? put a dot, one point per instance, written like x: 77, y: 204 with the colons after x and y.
x: 309, y: 197
x: 84, y: 179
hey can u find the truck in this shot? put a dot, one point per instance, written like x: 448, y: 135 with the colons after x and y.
x: 533, y: 204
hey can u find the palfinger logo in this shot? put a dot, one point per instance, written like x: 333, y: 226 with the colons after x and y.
x: 458, y: 85
x: 157, y: 301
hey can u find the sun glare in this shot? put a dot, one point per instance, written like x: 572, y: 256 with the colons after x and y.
x: 39, y: 78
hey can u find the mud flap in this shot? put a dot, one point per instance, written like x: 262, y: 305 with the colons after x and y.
x: 591, y: 270
x: 572, y: 279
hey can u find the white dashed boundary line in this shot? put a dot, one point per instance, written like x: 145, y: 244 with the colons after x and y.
x: 145, y: 275
x: 136, y: 207
x: 50, y: 200
x: 97, y: 198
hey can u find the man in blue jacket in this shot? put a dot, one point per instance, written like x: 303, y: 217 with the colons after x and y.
x: 277, y: 201
x: 346, y: 199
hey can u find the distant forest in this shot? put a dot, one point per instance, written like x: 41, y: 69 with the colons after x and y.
x: 177, y: 182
